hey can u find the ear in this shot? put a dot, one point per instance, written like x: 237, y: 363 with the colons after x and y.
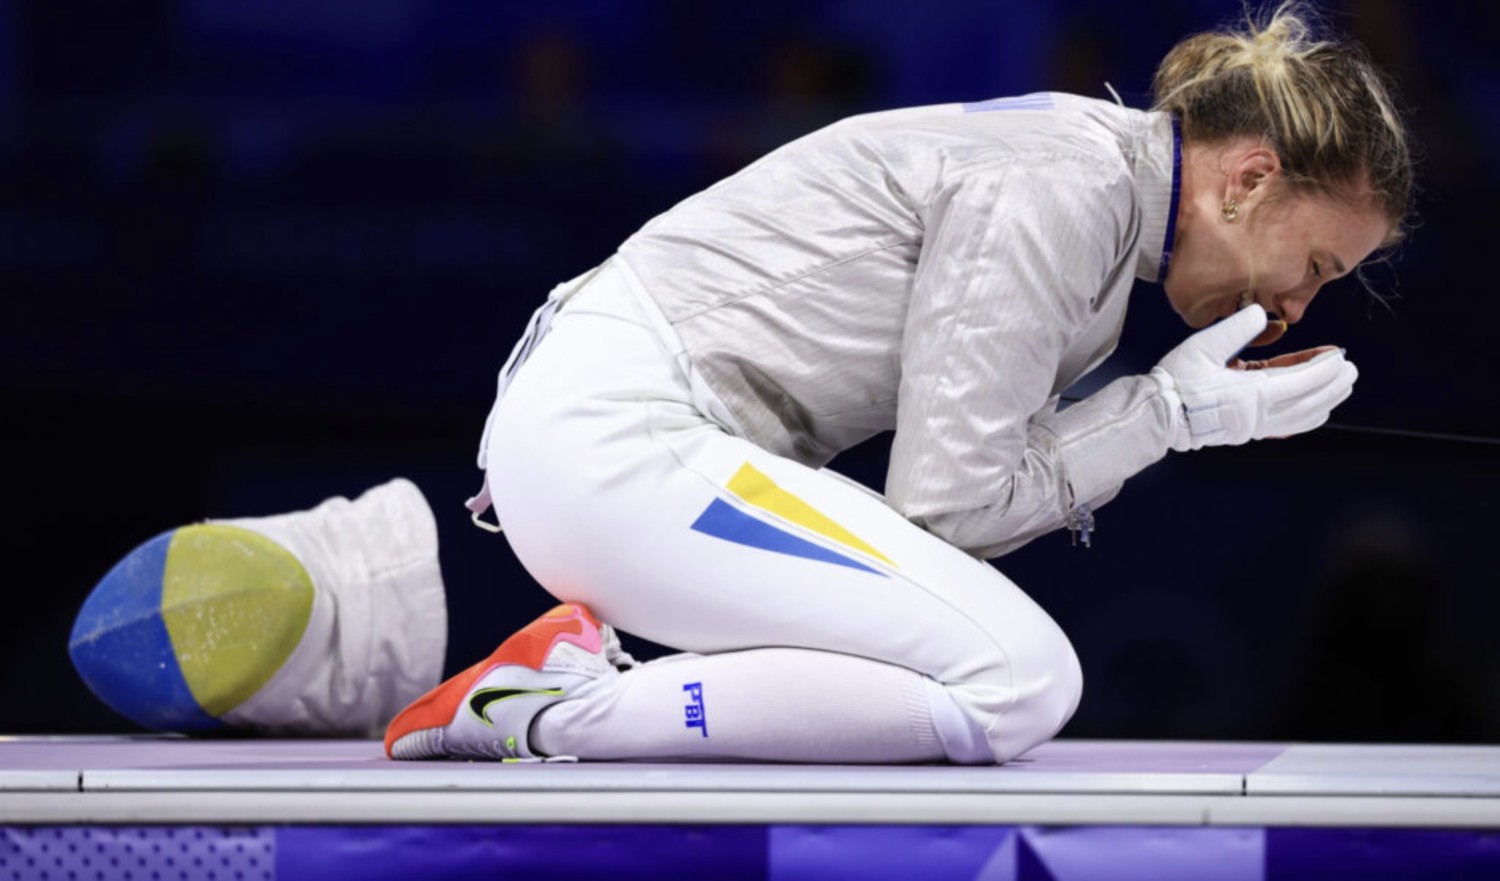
x: 1253, y: 172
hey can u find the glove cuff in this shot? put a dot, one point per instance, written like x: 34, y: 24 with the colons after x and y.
x: 1179, y: 434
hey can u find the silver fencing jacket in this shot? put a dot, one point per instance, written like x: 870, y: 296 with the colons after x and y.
x: 944, y: 272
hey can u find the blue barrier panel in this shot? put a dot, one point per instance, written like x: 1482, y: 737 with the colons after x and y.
x: 761, y: 853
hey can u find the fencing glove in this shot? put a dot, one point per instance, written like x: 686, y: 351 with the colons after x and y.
x: 1214, y: 404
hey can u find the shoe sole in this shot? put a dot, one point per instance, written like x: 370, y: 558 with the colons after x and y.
x: 417, y: 731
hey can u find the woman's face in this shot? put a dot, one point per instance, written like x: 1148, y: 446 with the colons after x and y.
x: 1279, y: 251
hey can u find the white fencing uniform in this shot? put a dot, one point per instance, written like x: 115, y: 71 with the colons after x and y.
x: 943, y: 272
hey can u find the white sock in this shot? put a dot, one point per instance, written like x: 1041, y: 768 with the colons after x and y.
x: 775, y: 704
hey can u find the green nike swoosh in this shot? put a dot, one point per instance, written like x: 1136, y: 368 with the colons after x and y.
x: 480, y: 701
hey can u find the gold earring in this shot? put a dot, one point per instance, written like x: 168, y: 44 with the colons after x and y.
x: 1230, y: 211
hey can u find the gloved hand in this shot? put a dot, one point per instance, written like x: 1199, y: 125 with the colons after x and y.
x: 1213, y: 403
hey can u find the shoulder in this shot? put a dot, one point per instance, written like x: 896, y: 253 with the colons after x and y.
x: 1073, y: 150
x: 1067, y: 141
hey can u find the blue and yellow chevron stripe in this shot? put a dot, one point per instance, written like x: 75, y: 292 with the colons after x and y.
x: 730, y: 522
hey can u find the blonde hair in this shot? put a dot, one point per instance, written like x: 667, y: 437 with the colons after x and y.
x: 1327, y: 110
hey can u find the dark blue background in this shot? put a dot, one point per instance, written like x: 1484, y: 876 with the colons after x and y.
x: 255, y: 254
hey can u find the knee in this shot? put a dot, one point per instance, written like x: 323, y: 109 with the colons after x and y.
x: 1048, y: 683
x: 1038, y: 697
x: 1067, y: 690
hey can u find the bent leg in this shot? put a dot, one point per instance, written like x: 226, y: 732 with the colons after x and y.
x: 617, y: 492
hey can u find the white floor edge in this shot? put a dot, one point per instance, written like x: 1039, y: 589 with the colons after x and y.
x: 812, y: 808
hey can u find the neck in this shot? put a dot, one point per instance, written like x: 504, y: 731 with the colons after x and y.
x: 1201, y: 183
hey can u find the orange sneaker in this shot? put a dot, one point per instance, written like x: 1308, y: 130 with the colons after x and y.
x: 486, y: 711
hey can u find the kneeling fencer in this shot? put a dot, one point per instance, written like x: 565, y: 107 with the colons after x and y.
x: 656, y: 452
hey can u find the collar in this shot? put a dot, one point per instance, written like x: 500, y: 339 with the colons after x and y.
x: 1158, y: 171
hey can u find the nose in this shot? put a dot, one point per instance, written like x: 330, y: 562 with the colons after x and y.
x: 1291, y: 306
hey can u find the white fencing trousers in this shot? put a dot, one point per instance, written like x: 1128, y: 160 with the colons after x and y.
x: 616, y: 490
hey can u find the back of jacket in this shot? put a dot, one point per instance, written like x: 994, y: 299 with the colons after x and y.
x: 942, y: 271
